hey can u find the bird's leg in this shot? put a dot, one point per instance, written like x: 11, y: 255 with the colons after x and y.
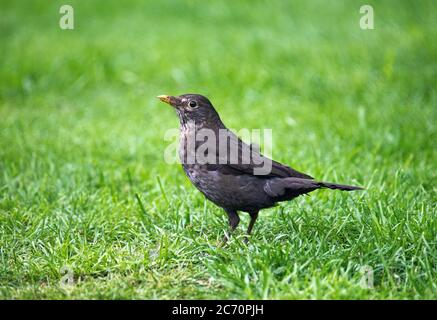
x: 253, y: 217
x: 234, y: 220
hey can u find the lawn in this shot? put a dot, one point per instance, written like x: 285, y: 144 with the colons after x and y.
x: 89, y: 209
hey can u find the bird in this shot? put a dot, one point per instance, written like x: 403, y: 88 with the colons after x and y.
x: 236, y: 184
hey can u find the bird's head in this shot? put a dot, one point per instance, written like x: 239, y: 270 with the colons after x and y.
x: 192, y: 107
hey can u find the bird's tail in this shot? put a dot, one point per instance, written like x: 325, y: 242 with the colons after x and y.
x: 338, y: 186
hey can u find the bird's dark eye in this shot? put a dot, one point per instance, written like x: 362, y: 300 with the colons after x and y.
x: 192, y: 104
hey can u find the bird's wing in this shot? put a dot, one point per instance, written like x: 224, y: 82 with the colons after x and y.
x: 250, y: 161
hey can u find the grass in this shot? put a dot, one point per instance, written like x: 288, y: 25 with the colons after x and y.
x: 83, y: 183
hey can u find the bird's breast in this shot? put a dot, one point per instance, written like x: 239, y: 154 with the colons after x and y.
x: 187, y: 136
x: 241, y: 192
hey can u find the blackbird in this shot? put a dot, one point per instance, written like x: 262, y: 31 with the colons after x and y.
x: 233, y: 183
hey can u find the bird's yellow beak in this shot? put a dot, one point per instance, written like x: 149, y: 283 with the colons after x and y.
x: 175, y: 102
x: 164, y: 98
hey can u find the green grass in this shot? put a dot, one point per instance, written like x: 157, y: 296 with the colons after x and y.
x: 83, y: 182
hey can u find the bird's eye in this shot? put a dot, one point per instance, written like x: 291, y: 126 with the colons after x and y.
x: 192, y: 104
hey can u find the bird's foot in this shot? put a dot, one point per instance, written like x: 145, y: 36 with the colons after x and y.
x: 224, y: 241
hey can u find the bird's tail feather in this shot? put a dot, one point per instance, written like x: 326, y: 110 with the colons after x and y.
x: 338, y: 186
x: 289, y: 188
